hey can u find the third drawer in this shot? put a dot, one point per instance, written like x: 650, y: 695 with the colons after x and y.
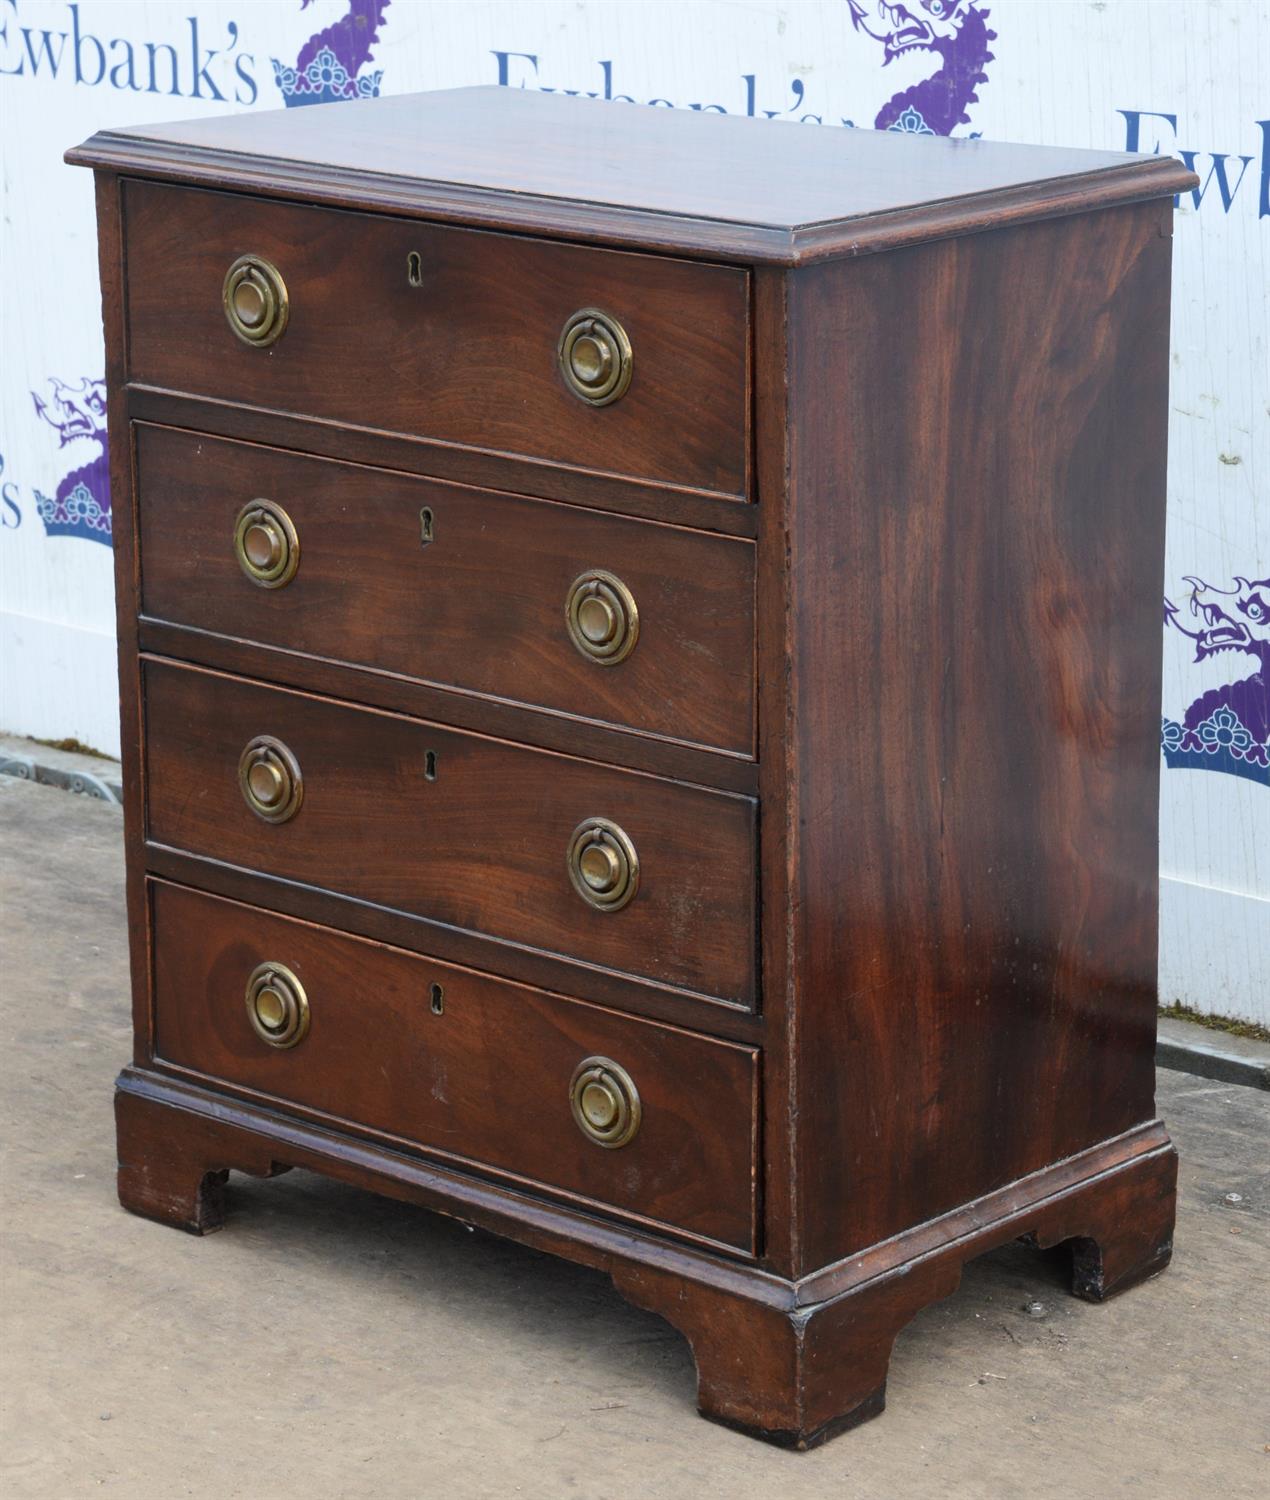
x: 631, y: 873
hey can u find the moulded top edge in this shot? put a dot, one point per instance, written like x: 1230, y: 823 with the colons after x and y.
x: 708, y: 186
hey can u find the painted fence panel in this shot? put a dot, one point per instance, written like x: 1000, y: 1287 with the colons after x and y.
x: 1186, y: 77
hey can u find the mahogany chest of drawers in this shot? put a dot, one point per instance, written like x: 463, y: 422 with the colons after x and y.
x: 639, y: 662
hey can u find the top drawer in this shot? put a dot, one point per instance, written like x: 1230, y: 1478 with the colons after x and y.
x: 450, y: 334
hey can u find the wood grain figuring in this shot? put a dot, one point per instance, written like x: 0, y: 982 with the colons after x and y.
x: 797, y: 1379
x: 482, y: 847
x: 699, y: 184
x: 108, y: 193
x: 526, y: 725
x: 976, y: 622
x: 778, y: 830
x: 470, y: 356
x: 887, y: 748
x: 675, y: 504
x: 630, y: 993
x: 792, y: 1374
x: 486, y: 1081
x: 480, y: 607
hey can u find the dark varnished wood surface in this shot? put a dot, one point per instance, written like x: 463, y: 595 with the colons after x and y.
x: 510, y: 721
x: 110, y: 250
x: 778, y: 832
x: 959, y: 463
x: 469, y: 357
x: 776, y: 1366
x: 675, y: 504
x: 695, y: 182
x: 976, y: 627
x: 482, y: 847
x: 457, y: 945
x: 798, y: 1380
x: 486, y: 1081
x: 481, y: 607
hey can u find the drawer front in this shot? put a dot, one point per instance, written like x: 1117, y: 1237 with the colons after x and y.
x: 470, y: 355
x: 458, y: 1062
x: 459, y: 828
x: 454, y: 586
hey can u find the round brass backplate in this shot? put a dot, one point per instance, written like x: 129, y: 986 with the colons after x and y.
x: 605, y: 1102
x: 595, y: 357
x: 277, y: 1006
x: 266, y: 544
x: 601, y: 616
x: 603, y: 864
x: 255, y: 300
x: 270, y: 780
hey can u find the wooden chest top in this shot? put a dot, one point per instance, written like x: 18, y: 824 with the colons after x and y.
x: 718, y: 186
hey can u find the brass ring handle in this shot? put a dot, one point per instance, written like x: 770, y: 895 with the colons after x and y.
x: 595, y: 357
x: 255, y: 300
x: 605, y: 1102
x: 277, y: 1006
x: 266, y: 544
x: 270, y: 780
x: 601, y: 616
x: 603, y: 864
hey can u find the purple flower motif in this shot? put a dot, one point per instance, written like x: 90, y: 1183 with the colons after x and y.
x: 80, y: 506
x: 74, y: 513
x: 323, y: 80
x: 329, y: 64
x: 324, y: 71
x: 911, y: 123
x: 1223, y: 731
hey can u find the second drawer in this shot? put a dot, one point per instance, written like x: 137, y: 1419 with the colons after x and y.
x: 451, y: 585
x: 629, y: 872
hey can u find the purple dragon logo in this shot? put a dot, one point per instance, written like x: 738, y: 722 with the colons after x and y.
x: 81, y: 505
x: 330, y: 62
x: 1226, y: 728
x: 957, y: 32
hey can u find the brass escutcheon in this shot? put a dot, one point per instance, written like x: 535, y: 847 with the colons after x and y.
x: 605, y: 1102
x: 601, y: 617
x: 603, y: 864
x: 595, y: 357
x: 255, y: 300
x: 266, y: 544
x: 269, y: 779
x: 277, y: 1006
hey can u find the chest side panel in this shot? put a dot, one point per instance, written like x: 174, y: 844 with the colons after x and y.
x: 977, y: 524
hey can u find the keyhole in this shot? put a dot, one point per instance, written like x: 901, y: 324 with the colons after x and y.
x: 430, y: 765
x: 425, y: 525
x: 414, y: 268
x: 436, y: 999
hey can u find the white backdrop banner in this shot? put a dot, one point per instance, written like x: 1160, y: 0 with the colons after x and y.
x: 1186, y: 77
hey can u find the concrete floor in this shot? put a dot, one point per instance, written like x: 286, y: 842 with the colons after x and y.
x: 330, y: 1344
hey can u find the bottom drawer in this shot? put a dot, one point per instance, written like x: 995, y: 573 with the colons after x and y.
x: 464, y: 1065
